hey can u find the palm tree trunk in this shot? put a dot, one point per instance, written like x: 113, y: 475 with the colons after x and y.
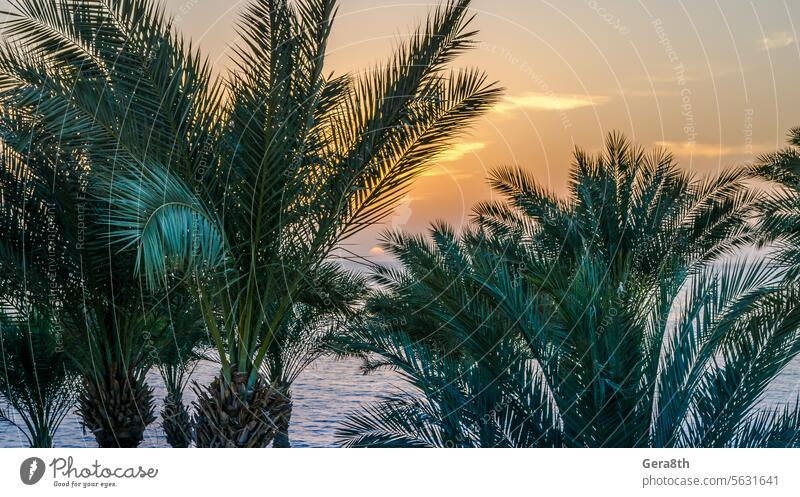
x: 230, y: 415
x: 176, y: 421
x: 281, y: 414
x: 117, y: 408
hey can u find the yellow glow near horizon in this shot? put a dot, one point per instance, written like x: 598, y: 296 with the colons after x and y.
x: 538, y: 101
x: 689, y: 149
x: 459, y: 150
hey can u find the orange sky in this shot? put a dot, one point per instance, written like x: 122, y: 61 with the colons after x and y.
x: 715, y: 80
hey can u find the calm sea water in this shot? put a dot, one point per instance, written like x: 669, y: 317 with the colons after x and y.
x: 323, y: 396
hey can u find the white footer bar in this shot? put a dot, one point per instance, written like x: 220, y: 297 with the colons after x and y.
x: 402, y: 473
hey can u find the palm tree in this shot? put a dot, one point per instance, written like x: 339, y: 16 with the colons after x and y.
x: 244, y: 184
x: 36, y: 380
x: 593, y: 321
x: 780, y: 223
x: 52, y: 258
x: 179, y: 347
x: 311, y: 330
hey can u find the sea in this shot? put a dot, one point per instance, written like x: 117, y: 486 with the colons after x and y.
x: 324, y: 394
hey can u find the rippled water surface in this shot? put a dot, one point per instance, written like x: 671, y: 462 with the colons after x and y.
x: 323, y: 395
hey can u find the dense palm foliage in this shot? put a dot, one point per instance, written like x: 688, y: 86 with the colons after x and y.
x: 592, y: 321
x: 154, y: 214
x: 179, y: 349
x: 37, y: 384
x: 308, y: 333
x: 781, y: 207
x: 52, y: 257
x: 245, y: 185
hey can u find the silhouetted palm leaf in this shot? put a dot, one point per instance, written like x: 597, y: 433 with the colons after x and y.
x: 592, y: 321
x: 244, y: 185
x: 36, y: 382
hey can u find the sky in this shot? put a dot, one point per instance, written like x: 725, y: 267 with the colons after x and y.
x: 715, y: 81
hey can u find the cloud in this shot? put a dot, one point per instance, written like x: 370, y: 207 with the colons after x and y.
x: 689, y: 149
x: 549, y: 101
x: 402, y: 213
x: 453, y: 154
x: 777, y: 40
x: 459, y: 150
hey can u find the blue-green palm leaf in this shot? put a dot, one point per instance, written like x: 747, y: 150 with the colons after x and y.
x: 605, y: 319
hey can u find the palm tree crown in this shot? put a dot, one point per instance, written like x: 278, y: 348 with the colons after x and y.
x: 37, y: 384
x: 241, y: 185
x: 595, y: 320
x: 53, y: 259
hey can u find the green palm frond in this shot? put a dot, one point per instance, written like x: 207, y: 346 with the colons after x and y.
x: 241, y: 186
x: 249, y: 184
x: 606, y: 319
x: 780, y: 208
x: 36, y: 380
x: 775, y: 428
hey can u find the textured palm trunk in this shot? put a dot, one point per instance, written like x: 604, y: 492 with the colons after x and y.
x: 176, y: 421
x: 116, y: 409
x: 281, y: 413
x: 230, y: 415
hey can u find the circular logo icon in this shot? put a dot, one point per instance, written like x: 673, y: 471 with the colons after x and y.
x: 31, y: 470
